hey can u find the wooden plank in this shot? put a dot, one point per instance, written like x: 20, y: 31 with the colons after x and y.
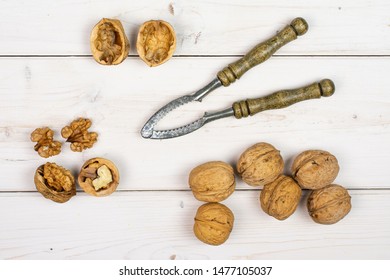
x: 158, y: 225
x: 353, y: 124
x: 203, y: 28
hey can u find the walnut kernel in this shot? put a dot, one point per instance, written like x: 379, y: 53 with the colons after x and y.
x: 109, y: 44
x: 77, y: 133
x: 46, y: 146
x: 260, y: 164
x: 212, y: 181
x: 280, y: 198
x: 315, y: 169
x: 156, y: 42
x: 55, y: 182
x: 213, y: 223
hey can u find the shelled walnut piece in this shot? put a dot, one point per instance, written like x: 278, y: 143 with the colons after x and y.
x: 109, y: 44
x: 77, y: 133
x: 156, y: 42
x: 55, y: 182
x: 98, y: 177
x: 46, y: 146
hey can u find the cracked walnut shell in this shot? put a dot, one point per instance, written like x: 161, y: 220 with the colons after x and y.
x: 260, y: 164
x: 98, y: 177
x: 156, y: 42
x: 77, y: 134
x: 55, y: 182
x: 212, y: 181
x: 109, y: 44
x: 213, y: 223
x: 280, y: 198
x: 329, y: 204
x: 315, y: 169
x: 46, y: 146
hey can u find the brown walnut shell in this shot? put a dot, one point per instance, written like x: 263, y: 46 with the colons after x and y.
x: 213, y: 223
x: 156, y: 42
x: 280, y: 198
x: 212, y: 181
x: 315, y: 169
x: 109, y: 44
x: 98, y: 177
x: 329, y: 205
x: 55, y: 182
x: 260, y: 164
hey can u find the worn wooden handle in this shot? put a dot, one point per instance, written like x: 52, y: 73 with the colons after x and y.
x: 262, y: 51
x: 283, y: 98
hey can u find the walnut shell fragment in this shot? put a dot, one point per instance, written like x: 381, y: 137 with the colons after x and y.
x: 98, y: 177
x: 156, y: 42
x: 213, y: 223
x: 315, y: 169
x: 329, y: 204
x: 77, y: 134
x: 55, y: 182
x: 109, y: 44
x: 260, y: 164
x: 280, y: 198
x: 212, y: 181
x: 46, y: 146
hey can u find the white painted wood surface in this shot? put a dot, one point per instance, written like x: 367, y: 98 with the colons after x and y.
x: 48, y: 78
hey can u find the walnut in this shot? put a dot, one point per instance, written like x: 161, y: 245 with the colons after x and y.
x: 212, y: 181
x: 55, y: 182
x: 280, y: 198
x: 329, y: 204
x: 77, y: 133
x: 98, y: 177
x: 315, y: 169
x: 213, y: 223
x: 109, y: 44
x: 260, y: 164
x: 156, y: 42
x: 46, y: 146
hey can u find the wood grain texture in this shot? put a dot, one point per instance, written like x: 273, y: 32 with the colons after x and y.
x: 206, y: 27
x: 158, y: 225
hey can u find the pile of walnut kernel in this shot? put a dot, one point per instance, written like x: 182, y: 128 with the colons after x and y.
x: 262, y: 165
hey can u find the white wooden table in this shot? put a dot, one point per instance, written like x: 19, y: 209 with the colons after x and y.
x: 48, y: 78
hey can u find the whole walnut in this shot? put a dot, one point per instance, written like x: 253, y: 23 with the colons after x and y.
x: 260, y: 164
x: 213, y: 223
x: 212, y: 181
x: 329, y: 204
x: 315, y: 169
x: 280, y: 198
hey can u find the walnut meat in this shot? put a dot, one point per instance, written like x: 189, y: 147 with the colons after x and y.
x: 98, y: 177
x: 329, y: 204
x: 156, y: 42
x: 260, y: 164
x: 77, y: 134
x: 280, y: 198
x: 109, y: 44
x: 55, y: 182
x: 46, y: 146
x: 315, y: 169
x: 212, y: 181
x: 213, y: 223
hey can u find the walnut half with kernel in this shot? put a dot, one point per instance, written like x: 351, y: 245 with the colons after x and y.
x: 98, y: 177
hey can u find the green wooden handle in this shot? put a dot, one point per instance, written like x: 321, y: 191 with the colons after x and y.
x: 262, y: 51
x: 283, y: 98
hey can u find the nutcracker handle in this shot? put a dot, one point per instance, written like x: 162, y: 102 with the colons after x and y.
x: 283, y: 98
x: 262, y: 51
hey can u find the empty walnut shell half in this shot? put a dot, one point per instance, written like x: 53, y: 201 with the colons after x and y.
x: 55, y: 182
x: 280, y: 198
x: 109, y: 44
x: 329, y: 205
x: 212, y: 181
x: 213, y: 223
x: 98, y: 177
x: 315, y: 169
x: 156, y: 42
